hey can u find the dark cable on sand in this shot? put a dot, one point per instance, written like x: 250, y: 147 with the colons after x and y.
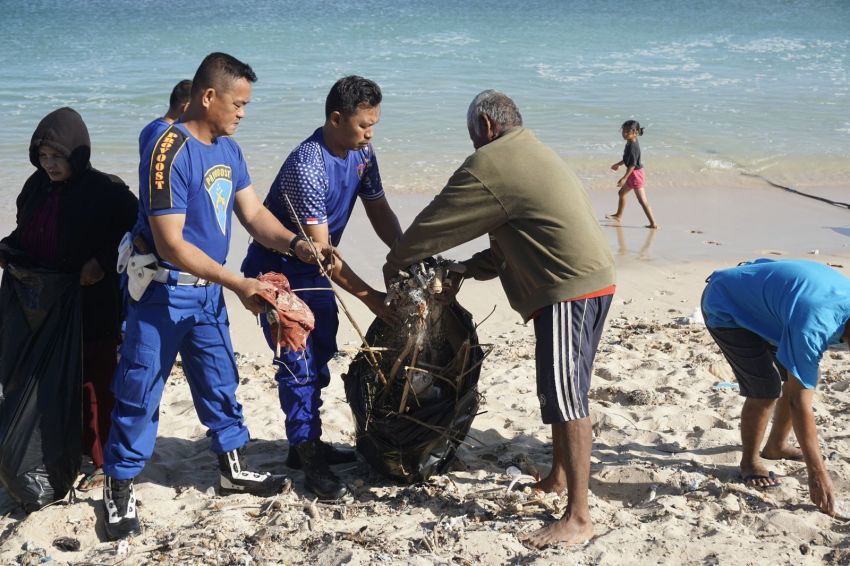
x: 796, y: 192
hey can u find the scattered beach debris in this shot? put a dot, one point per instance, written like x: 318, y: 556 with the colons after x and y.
x: 67, y: 544
x: 694, y: 318
x: 683, y: 446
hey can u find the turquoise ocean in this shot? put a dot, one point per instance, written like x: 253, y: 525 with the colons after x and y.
x: 721, y: 87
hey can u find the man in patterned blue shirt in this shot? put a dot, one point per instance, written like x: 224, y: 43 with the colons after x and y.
x: 322, y: 178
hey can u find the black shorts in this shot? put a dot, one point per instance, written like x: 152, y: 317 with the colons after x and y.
x: 567, y: 336
x: 753, y: 360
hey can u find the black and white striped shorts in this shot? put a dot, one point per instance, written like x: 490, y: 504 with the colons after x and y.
x: 567, y: 336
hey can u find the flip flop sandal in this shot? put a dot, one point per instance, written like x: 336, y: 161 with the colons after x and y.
x: 92, y: 481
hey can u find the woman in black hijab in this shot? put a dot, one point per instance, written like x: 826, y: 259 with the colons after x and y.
x: 70, y: 219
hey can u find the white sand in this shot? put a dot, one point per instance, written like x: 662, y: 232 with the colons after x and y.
x: 666, y: 442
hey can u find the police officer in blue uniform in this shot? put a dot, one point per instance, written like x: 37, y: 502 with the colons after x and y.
x: 193, y: 177
x: 322, y: 179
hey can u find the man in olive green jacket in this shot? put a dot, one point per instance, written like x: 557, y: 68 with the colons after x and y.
x: 556, y: 268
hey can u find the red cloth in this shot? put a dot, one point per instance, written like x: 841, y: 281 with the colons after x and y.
x: 100, y: 357
x: 290, y: 319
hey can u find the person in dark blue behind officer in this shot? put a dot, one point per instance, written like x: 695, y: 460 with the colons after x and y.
x: 192, y: 183
x: 178, y: 102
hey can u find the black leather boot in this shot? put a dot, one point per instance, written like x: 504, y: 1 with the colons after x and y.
x: 119, y: 499
x: 333, y: 456
x: 318, y: 476
x: 236, y: 479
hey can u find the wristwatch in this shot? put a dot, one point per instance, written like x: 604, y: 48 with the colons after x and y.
x: 294, y: 243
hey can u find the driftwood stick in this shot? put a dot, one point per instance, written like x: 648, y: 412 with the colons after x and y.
x: 400, y: 359
x: 396, y: 366
x: 370, y: 355
x: 404, y: 393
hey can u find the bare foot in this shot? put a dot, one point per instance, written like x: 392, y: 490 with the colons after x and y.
x: 566, y: 530
x: 756, y: 475
x: 652, y: 226
x: 613, y: 217
x: 550, y: 484
x: 784, y: 452
x: 92, y: 481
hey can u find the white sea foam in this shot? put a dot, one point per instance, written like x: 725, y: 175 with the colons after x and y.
x: 769, y: 45
x: 718, y: 164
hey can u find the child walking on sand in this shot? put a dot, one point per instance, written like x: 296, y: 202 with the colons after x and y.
x: 633, y: 179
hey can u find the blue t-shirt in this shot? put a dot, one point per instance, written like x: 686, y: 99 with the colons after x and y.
x: 150, y: 133
x: 185, y: 176
x: 799, y: 306
x: 322, y: 187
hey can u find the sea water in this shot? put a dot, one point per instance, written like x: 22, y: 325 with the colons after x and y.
x: 721, y: 87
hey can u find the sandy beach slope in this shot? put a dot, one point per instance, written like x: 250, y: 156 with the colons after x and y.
x: 665, y: 419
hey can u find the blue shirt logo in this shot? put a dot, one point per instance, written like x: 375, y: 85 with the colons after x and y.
x: 219, y: 185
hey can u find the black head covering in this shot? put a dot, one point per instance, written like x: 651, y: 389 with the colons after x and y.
x: 64, y: 131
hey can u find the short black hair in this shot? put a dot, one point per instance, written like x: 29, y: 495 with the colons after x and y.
x: 180, y: 94
x: 350, y: 92
x: 217, y: 68
x: 632, y: 126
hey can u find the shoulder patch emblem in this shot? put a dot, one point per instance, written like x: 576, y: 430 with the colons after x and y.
x: 165, y: 150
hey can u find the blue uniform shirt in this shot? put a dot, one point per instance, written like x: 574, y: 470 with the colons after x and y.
x: 185, y: 176
x: 150, y: 133
x: 323, y: 187
x: 799, y: 306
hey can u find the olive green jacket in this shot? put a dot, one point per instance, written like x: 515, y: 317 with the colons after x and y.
x: 546, y: 245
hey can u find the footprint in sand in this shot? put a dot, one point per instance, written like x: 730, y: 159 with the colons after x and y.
x: 696, y: 231
x: 712, y: 243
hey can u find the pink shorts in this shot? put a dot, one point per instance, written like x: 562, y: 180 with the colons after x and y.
x: 635, y: 180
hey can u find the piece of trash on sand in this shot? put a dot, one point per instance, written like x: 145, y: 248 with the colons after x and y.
x: 653, y: 490
x: 123, y: 548
x: 515, y: 474
x: 723, y: 385
x: 694, y: 318
x: 67, y: 544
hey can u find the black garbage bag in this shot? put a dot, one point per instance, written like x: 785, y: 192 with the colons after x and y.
x: 410, y: 436
x: 40, y: 384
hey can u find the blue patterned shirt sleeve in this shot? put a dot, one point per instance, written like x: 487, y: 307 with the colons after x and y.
x: 304, y: 181
x: 370, y: 184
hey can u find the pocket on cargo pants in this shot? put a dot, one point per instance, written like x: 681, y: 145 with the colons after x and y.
x: 135, y: 375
